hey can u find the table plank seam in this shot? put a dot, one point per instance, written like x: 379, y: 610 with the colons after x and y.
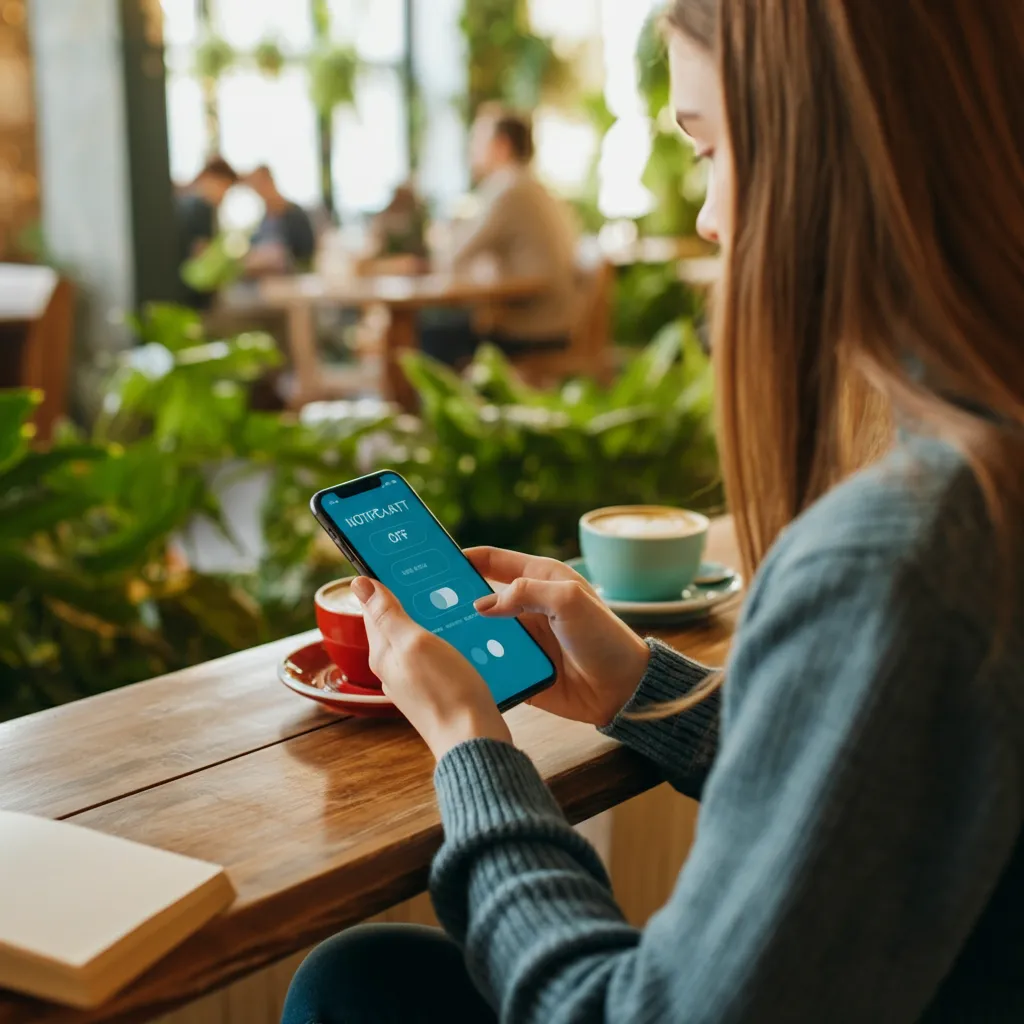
x: 199, y: 769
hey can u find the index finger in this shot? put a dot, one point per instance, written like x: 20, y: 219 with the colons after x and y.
x: 504, y: 566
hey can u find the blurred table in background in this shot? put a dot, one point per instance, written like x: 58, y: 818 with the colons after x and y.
x: 700, y: 271
x: 36, y: 332
x: 627, y: 252
x: 403, y: 296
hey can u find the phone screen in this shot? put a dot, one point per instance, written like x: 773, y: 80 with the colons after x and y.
x: 397, y: 539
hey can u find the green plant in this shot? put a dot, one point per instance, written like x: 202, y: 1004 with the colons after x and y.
x: 332, y: 77
x: 672, y: 175
x: 219, y: 265
x: 677, y: 182
x: 269, y: 57
x: 510, y: 465
x: 183, y: 392
x: 508, y: 62
x: 95, y: 591
x: 652, y: 67
x: 647, y: 297
x: 91, y: 595
x: 213, y: 57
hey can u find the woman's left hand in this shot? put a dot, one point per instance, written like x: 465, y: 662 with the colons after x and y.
x: 434, y: 686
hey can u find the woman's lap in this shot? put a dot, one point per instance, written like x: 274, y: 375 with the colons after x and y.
x: 406, y: 974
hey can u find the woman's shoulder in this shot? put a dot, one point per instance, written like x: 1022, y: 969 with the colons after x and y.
x: 919, y: 506
x: 899, y: 566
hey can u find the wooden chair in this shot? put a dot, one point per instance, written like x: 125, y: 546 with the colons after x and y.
x: 37, y: 322
x: 590, y: 348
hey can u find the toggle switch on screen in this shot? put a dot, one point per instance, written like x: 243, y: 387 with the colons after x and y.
x: 444, y: 599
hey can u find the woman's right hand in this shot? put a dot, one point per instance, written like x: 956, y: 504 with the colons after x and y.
x: 599, y: 659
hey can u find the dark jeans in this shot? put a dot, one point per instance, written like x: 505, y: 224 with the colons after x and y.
x: 385, y: 974
x: 448, y: 336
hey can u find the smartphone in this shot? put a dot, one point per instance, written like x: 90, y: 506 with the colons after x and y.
x: 386, y: 531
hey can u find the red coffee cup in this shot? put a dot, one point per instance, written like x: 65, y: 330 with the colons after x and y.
x: 340, y: 618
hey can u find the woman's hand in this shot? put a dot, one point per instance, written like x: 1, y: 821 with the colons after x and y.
x: 430, y: 682
x: 599, y: 659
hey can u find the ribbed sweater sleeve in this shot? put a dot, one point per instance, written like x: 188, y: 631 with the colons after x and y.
x: 682, y: 746
x: 858, y: 815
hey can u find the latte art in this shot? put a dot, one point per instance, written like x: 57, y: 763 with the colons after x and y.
x: 650, y: 525
x: 340, y: 599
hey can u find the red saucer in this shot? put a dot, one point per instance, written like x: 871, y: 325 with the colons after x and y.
x: 311, y: 673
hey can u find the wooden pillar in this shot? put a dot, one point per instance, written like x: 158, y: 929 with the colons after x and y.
x: 19, y: 185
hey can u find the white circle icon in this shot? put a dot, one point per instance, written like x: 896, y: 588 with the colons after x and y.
x: 444, y: 598
x: 496, y: 649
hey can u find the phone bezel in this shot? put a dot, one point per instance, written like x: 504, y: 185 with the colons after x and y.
x: 372, y: 481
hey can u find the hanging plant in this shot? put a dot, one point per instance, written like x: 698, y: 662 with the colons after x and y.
x: 507, y: 61
x: 491, y: 29
x: 332, y: 78
x: 652, y: 67
x: 213, y: 57
x: 269, y: 57
x: 537, y: 72
x: 672, y: 174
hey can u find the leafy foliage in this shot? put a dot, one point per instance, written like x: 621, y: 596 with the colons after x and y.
x: 507, y: 61
x: 513, y: 466
x: 672, y: 175
x: 219, y: 264
x: 91, y: 595
x: 95, y: 591
x: 269, y: 57
x: 213, y: 57
x: 652, y: 66
x: 332, y: 77
x: 649, y: 296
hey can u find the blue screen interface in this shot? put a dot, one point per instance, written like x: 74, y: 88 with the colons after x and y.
x: 400, y: 541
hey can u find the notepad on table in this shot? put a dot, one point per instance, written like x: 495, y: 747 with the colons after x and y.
x: 83, y: 913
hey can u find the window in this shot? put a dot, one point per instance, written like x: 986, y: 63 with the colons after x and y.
x: 608, y: 32
x: 261, y: 118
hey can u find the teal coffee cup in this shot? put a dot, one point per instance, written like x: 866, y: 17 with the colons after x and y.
x: 643, y: 552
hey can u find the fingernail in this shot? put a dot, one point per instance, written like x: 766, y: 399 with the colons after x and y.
x: 486, y: 602
x: 362, y: 588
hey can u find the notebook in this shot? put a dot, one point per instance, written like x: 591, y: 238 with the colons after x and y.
x: 83, y: 913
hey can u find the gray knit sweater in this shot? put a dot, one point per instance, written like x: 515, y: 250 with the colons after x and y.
x: 859, y: 854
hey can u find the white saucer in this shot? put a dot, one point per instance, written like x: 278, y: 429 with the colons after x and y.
x: 694, y: 602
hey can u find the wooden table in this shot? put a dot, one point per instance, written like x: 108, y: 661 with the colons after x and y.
x: 654, y: 249
x: 701, y: 271
x: 403, y: 296
x: 320, y: 821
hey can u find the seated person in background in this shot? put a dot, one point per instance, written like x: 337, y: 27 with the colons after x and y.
x: 400, y: 230
x: 196, y: 206
x: 284, y: 242
x: 527, y: 232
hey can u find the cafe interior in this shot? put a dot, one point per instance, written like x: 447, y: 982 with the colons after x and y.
x: 253, y: 249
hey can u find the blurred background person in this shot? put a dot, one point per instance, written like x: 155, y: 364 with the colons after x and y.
x: 524, y: 231
x: 399, y: 231
x: 196, y: 206
x: 284, y: 241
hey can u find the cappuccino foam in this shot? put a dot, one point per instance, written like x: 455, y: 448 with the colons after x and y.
x: 645, y: 525
x: 340, y: 599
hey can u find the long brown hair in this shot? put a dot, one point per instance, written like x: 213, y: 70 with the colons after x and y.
x: 877, y: 260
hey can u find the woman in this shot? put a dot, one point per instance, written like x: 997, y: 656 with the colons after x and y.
x: 859, y: 855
